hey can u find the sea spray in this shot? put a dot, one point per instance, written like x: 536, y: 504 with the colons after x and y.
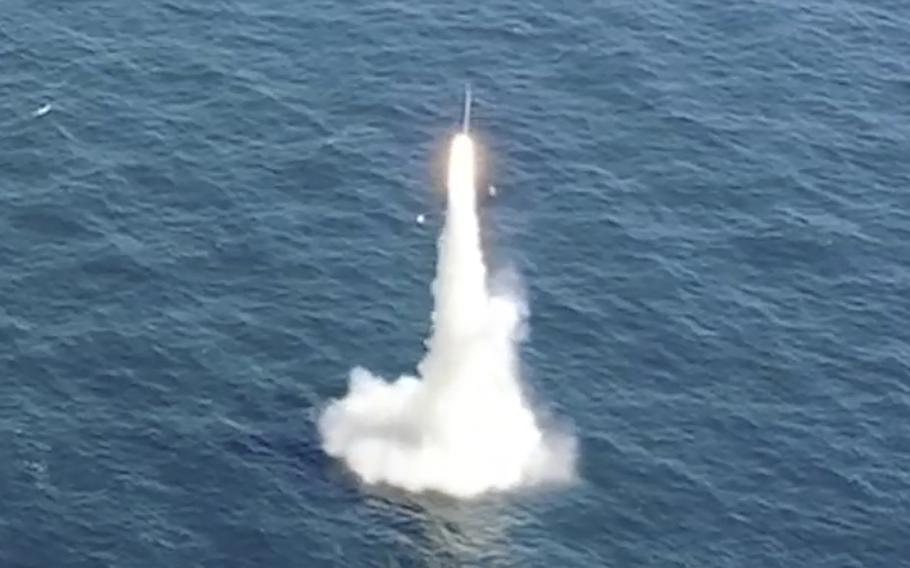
x: 464, y: 427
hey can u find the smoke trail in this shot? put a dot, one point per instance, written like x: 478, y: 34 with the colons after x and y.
x: 464, y: 427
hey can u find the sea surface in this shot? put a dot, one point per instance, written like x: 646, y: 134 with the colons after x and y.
x: 208, y: 217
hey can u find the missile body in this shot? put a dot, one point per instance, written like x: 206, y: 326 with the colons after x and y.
x: 466, y: 116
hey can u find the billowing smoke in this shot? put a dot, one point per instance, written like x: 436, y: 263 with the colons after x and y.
x: 464, y: 427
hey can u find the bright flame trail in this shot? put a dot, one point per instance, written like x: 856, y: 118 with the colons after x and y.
x: 464, y: 428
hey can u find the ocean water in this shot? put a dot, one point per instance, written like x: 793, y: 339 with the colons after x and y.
x: 207, y: 218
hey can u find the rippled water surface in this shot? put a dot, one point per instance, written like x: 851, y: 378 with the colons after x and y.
x: 207, y: 217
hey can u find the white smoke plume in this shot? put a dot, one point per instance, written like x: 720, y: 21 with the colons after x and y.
x: 464, y: 427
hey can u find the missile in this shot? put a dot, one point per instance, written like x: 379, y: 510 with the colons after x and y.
x: 466, y: 117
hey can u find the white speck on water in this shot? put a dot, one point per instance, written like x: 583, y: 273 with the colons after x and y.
x: 43, y: 110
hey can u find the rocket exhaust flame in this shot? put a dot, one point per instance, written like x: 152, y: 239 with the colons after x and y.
x: 463, y: 427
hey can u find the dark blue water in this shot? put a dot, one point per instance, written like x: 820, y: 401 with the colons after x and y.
x: 215, y: 220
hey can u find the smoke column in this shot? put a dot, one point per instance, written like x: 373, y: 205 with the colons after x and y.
x: 463, y: 427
